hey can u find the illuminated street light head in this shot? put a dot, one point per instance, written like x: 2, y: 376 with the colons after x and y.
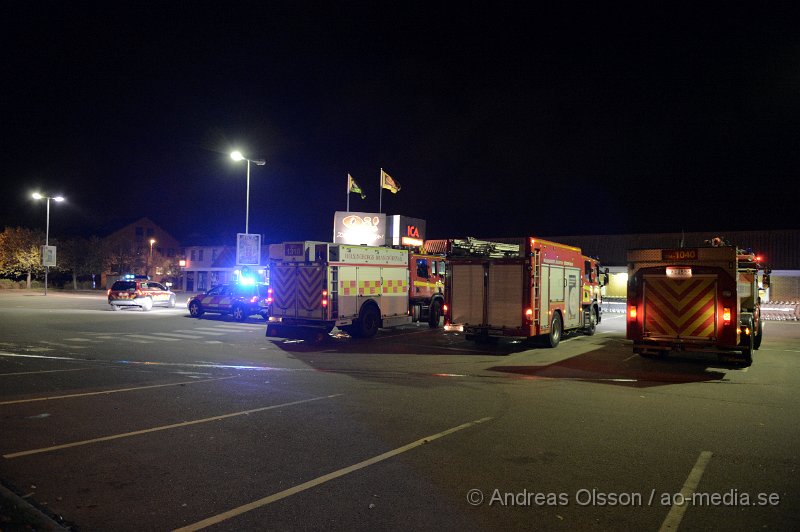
x: 59, y: 198
x: 237, y: 155
x: 36, y: 195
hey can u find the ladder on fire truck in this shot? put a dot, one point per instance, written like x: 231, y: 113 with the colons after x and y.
x: 537, y: 293
x: 473, y: 247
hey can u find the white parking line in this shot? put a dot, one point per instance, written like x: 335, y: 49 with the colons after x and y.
x: 44, y: 371
x: 324, y: 478
x: 178, y: 335
x: 151, y: 337
x: 104, y: 392
x: 163, y: 427
x: 240, y: 327
x: 201, y: 331
x: 675, y: 514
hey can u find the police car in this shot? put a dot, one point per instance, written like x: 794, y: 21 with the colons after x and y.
x: 139, y: 291
x: 239, y: 300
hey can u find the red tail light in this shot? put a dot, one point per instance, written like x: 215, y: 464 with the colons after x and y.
x: 632, y: 312
x: 269, y: 295
x: 529, y: 316
x: 726, y: 315
x: 324, y: 298
x: 444, y: 309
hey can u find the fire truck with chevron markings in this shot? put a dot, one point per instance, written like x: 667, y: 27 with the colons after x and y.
x: 695, y: 299
x: 359, y: 289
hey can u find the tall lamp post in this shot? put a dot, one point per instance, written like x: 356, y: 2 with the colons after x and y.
x: 237, y: 156
x: 150, y: 257
x: 38, y: 196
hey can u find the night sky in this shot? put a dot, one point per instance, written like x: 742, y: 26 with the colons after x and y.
x: 496, y: 118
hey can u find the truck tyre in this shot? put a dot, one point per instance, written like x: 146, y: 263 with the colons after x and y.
x: 757, y: 340
x: 369, y: 321
x: 552, y: 339
x: 195, y: 310
x: 589, y: 329
x: 147, y: 304
x: 748, y: 345
x: 435, y: 314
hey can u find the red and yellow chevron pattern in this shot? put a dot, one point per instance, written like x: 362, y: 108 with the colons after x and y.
x: 680, y: 307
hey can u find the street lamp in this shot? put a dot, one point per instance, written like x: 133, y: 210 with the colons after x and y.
x: 59, y: 199
x: 150, y: 258
x: 237, y: 156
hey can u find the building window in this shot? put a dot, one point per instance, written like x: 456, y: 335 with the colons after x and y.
x: 194, y: 255
x: 200, y: 254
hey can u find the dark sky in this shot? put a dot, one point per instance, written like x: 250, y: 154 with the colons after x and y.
x: 496, y: 118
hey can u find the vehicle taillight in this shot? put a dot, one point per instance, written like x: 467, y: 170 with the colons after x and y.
x: 632, y: 312
x: 726, y: 315
x: 529, y: 315
x: 324, y: 298
x: 444, y: 309
x: 269, y: 295
x: 108, y: 292
x: 254, y: 299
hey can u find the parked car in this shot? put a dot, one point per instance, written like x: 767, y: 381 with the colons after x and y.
x: 239, y: 300
x: 140, y: 292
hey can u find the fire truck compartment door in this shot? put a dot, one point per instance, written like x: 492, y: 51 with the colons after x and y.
x: 467, y: 295
x: 572, y: 305
x: 680, y: 308
x: 505, y: 298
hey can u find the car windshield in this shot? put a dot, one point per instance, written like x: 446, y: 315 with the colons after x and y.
x: 124, y: 285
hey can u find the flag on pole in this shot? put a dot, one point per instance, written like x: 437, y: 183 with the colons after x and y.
x: 352, y: 186
x: 388, y: 183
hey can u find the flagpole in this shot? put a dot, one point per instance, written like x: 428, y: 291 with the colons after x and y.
x: 348, y: 192
x: 380, y: 193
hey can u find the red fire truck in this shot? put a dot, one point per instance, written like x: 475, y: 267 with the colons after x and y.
x: 694, y: 299
x: 426, y: 286
x: 533, y: 288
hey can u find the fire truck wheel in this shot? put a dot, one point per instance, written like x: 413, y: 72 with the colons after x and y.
x: 589, y: 329
x: 369, y: 321
x: 195, y: 310
x: 554, y: 337
x: 748, y: 346
x: 757, y: 340
x: 238, y: 313
x: 147, y: 304
x: 435, y: 314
